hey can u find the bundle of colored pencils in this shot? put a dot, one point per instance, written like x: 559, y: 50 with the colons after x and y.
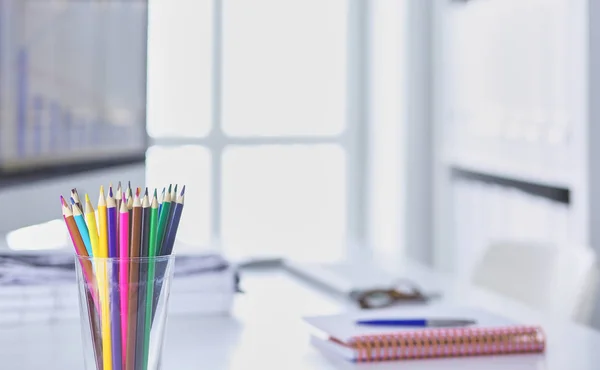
x: 123, y: 289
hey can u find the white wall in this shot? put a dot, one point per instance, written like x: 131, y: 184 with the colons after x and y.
x: 37, y: 202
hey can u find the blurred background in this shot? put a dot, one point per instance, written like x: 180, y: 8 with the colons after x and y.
x: 309, y: 129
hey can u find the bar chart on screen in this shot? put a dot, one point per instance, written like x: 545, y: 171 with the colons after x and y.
x: 73, y: 84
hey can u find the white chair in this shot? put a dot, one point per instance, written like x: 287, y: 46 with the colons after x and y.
x: 561, y: 279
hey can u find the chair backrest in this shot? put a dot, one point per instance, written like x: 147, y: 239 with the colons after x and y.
x: 561, y: 279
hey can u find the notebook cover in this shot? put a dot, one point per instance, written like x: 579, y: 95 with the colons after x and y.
x: 492, y: 335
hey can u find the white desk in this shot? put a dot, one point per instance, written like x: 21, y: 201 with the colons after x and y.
x: 265, y: 332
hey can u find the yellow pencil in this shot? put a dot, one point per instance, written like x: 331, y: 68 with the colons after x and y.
x: 102, y: 281
x: 90, y: 218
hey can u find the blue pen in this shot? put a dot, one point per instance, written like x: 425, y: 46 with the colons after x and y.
x: 420, y: 323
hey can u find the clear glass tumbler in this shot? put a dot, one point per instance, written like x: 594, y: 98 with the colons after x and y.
x: 123, y: 305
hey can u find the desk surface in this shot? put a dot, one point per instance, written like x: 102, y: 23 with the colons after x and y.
x: 265, y: 332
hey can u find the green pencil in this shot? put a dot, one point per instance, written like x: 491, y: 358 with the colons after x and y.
x: 152, y: 252
x: 163, y: 221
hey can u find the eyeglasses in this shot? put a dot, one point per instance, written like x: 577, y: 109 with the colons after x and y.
x: 403, y: 291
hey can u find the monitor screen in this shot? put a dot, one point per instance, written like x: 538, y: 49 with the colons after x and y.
x: 72, y: 82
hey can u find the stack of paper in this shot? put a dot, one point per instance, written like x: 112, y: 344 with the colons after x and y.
x: 41, y: 286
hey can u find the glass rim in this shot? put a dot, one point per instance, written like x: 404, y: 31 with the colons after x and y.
x: 128, y: 259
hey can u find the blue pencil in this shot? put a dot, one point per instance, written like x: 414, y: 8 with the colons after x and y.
x: 160, y: 201
x: 83, y: 230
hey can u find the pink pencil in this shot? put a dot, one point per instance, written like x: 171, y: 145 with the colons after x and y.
x: 124, y: 273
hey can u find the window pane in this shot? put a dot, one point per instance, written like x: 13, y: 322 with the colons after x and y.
x: 179, y: 67
x: 284, y: 200
x: 284, y: 67
x: 190, y: 166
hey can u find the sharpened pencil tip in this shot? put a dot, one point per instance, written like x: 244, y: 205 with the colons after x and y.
x: 110, y: 193
x: 146, y: 193
x: 182, y: 191
x: 87, y: 198
x: 155, y: 193
x: 72, y: 200
x: 119, y: 185
x: 62, y: 200
x: 170, y: 187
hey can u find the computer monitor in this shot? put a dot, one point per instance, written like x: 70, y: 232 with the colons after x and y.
x: 72, y: 84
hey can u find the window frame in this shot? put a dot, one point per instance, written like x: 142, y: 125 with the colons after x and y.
x: 352, y: 139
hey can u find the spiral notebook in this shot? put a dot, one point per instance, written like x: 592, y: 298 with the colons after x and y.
x: 492, y: 335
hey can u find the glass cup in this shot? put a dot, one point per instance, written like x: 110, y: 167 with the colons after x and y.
x: 123, y: 305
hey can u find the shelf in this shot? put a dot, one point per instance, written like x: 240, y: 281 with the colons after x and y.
x: 522, y: 172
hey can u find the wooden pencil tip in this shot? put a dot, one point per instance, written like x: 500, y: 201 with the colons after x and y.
x: 87, y: 198
x: 102, y: 189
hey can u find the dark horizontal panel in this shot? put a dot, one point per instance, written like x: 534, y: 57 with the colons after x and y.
x: 553, y: 193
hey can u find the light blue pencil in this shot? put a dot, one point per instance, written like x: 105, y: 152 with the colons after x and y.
x: 83, y: 230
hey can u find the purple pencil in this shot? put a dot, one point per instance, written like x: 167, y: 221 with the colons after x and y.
x: 115, y: 304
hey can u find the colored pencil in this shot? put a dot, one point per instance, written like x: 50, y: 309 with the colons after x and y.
x: 77, y: 242
x: 129, y: 208
x: 118, y: 195
x: 167, y: 247
x: 163, y: 221
x: 134, y: 252
x: 88, y: 273
x: 171, y: 234
x: 144, y: 248
x: 124, y: 273
x: 118, y: 200
x: 90, y: 218
x: 83, y: 229
x: 76, y: 199
x: 174, y: 193
x: 102, y: 225
x: 115, y: 302
x: 152, y: 244
x: 103, y: 285
x: 171, y: 210
x: 161, y: 200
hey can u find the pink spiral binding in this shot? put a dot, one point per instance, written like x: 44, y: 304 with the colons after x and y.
x: 449, y: 342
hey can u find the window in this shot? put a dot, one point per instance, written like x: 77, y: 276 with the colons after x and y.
x: 248, y: 104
